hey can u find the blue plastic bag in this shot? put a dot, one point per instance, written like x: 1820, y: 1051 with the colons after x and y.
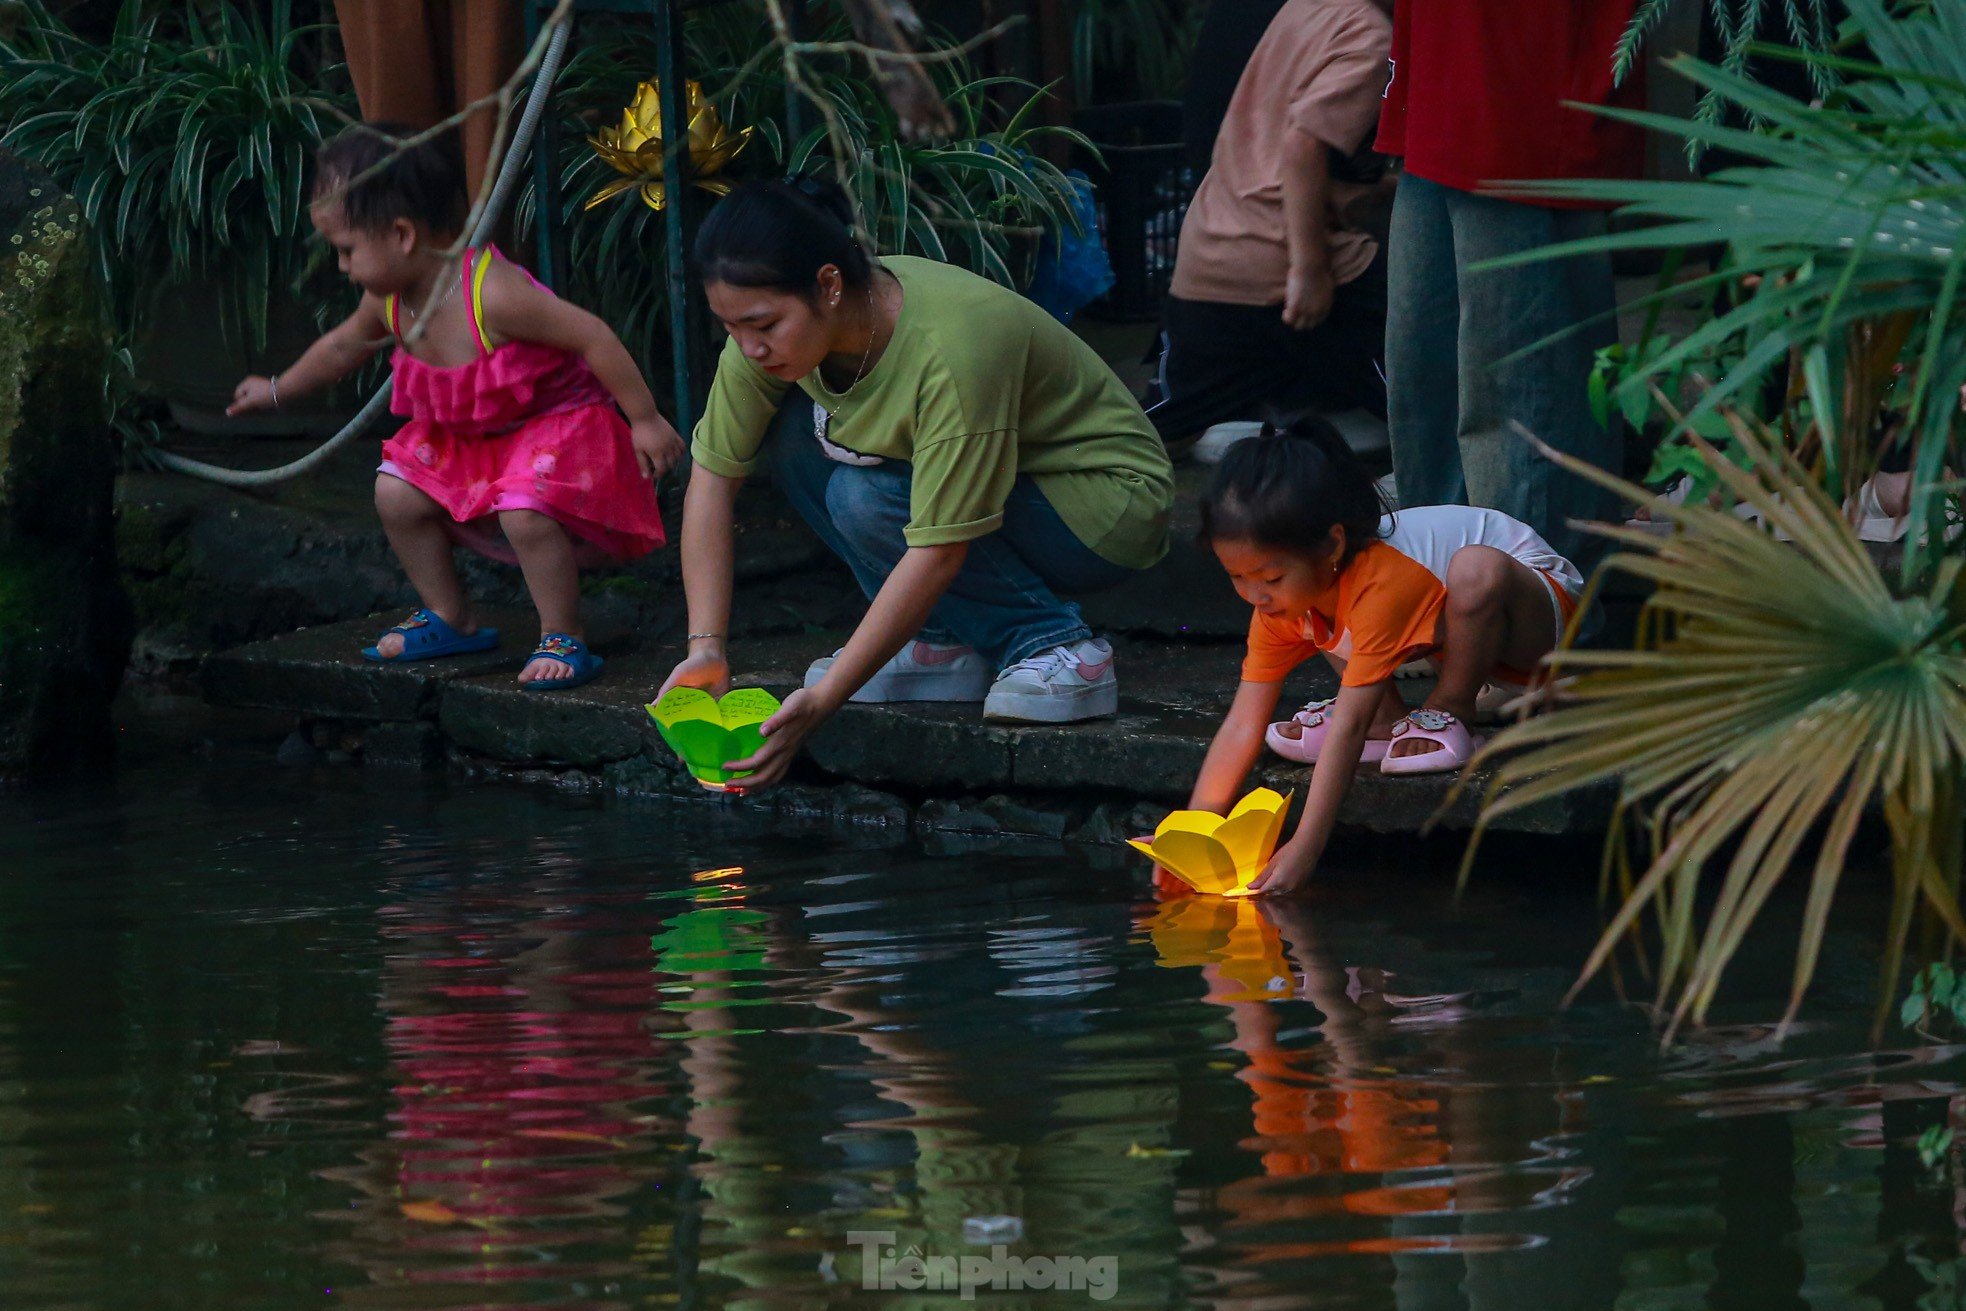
x: 1072, y: 268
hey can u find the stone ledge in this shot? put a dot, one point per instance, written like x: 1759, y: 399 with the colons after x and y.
x: 320, y: 672
x: 935, y: 767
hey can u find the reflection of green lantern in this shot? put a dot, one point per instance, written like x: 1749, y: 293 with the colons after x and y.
x: 711, y: 938
x: 706, y: 732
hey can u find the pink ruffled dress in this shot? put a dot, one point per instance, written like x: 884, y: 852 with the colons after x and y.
x: 522, y: 427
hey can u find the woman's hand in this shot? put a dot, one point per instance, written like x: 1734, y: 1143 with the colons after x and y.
x: 252, y: 396
x: 707, y: 669
x: 1288, y: 871
x: 658, y: 447
x: 785, y: 732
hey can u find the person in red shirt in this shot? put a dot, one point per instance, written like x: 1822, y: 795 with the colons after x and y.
x: 1485, y: 94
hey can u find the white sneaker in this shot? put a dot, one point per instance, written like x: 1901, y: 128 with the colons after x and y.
x: 1058, y: 686
x: 919, y: 671
x: 1216, y: 440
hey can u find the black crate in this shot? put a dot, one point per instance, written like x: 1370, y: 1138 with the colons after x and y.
x: 1141, y: 192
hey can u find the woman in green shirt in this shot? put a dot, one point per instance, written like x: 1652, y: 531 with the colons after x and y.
x: 964, y: 453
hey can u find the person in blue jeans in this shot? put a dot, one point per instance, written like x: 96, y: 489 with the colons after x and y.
x: 1008, y: 596
x: 1483, y: 97
x: 1455, y: 396
x: 972, y: 461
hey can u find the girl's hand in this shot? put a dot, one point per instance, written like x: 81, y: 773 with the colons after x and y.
x: 785, y: 732
x: 252, y: 396
x: 709, y: 670
x: 1288, y: 871
x: 658, y: 447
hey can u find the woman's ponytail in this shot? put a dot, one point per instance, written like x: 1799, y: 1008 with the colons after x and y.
x: 779, y: 233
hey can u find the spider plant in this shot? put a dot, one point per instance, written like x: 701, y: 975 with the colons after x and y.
x: 185, y: 137
x: 979, y: 200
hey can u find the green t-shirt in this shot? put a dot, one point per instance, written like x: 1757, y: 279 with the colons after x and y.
x: 977, y: 386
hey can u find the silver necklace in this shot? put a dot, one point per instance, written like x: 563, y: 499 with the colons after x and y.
x: 839, y: 398
x: 443, y: 300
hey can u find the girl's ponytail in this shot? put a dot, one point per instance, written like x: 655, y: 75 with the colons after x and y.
x: 1289, y: 486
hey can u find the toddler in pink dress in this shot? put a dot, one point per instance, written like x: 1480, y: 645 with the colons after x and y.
x: 531, y: 435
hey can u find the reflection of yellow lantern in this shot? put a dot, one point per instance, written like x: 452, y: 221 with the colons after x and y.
x: 634, y: 148
x: 1234, y: 937
x: 1217, y: 854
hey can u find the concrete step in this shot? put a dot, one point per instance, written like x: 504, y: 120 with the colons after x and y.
x: 935, y: 766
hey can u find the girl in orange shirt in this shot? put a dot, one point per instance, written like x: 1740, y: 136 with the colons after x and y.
x: 1300, y: 528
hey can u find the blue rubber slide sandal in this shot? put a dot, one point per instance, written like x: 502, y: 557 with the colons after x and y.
x: 426, y: 636
x: 569, y: 651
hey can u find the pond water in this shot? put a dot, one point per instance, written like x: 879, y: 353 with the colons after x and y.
x: 310, y: 1037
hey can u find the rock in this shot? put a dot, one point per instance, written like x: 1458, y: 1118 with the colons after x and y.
x: 1112, y: 824
x: 650, y: 774
x: 296, y: 750
x: 495, y: 717
x: 1128, y: 754
x: 65, y: 623
x: 862, y: 807
x: 995, y: 815
x: 417, y: 746
x: 924, y: 746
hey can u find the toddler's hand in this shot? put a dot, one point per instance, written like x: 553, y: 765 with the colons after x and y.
x: 251, y: 396
x: 657, y: 446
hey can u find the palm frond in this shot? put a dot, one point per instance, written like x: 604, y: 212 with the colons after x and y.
x: 1781, y: 690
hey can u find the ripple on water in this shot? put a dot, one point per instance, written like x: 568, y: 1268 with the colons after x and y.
x: 266, y: 1033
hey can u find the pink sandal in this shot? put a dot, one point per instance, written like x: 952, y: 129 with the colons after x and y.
x: 1456, y: 745
x: 1314, y: 720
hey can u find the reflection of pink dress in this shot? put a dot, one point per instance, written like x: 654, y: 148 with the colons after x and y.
x: 522, y: 427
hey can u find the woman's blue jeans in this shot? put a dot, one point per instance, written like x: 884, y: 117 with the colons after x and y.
x: 1004, y: 601
x: 1454, y: 394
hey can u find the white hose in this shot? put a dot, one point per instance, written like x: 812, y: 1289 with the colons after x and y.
x: 508, y: 178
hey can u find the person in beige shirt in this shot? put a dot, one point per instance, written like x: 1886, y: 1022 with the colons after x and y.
x: 1278, y: 303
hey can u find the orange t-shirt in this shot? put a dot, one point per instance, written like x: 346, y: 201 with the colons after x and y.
x: 1386, y: 608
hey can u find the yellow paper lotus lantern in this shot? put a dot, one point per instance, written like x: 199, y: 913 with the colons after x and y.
x: 633, y: 148
x: 1216, y: 854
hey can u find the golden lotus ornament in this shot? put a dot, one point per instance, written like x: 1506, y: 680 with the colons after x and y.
x: 1215, y: 854
x: 634, y: 149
